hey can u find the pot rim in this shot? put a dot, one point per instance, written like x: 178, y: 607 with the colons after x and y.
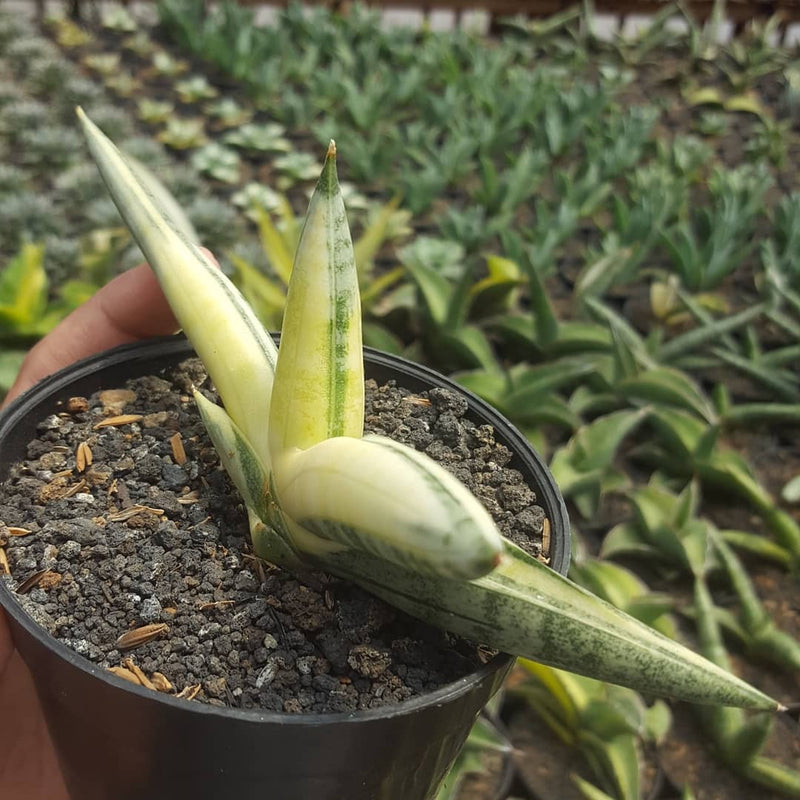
x: 178, y: 345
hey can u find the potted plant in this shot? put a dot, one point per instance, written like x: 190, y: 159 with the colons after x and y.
x: 322, y: 496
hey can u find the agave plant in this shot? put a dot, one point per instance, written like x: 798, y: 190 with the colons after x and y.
x: 321, y: 494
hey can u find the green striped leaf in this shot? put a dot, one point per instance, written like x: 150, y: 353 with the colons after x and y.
x: 271, y: 542
x: 319, y: 377
x: 387, y: 499
x: 523, y: 607
x: 226, y: 334
x: 246, y: 469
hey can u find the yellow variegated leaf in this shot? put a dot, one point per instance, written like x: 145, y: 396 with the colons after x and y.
x: 23, y: 291
x: 377, y: 495
x: 319, y: 377
x: 228, y: 337
x: 274, y: 243
x: 246, y: 469
x: 165, y: 200
x: 275, y: 537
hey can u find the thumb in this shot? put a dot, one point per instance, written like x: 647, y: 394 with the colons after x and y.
x: 129, y: 308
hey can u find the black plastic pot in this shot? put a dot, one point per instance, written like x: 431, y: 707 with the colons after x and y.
x: 117, y: 740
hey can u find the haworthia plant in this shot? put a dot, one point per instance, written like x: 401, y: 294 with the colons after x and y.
x: 322, y: 495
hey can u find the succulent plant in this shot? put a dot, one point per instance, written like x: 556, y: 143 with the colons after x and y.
x: 218, y: 162
x: 48, y: 75
x: 295, y: 168
x: 218, y: 224
x: 52, y: 147
x: 139, y: 43
x: 12, y: 179
x: 77, y: 91
x: 319, y: 493
x: 102, y: 213
x: 153, y: 111
x: 164, y: 64
x: 251, y: 252
x: 69, y: 34
x: 21, y: 116
x: 9, y: 92
x: 267, y: 138
x: 117, y: 18
x: 11, y: 29
x: 22, y: 53
x: 183, y: 133
x: 228, y: 113
x: 123, y: 84
x: 194, y: 88
x: 354, y: 199
x: 79, y: 184
x: 62, y: 257
x: 711, y: 123
x: 28, y: 215
x: 112, y: 118
x: 256, y: 194
x: 103, y: 63
x: 146, y: 150
x: 183, y: 181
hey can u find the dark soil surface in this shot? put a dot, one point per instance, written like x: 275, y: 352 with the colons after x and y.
x: 125, y: 533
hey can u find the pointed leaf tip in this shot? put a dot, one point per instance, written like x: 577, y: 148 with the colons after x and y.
x: 331, y: 150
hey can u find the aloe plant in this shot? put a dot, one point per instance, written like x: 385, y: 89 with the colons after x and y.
x: 320, y: 494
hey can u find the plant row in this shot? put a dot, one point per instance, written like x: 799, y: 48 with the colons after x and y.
x: 604, y: 246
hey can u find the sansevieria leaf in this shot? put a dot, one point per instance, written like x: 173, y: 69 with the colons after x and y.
x: 525, y: 608
x: 380, y: 496
x: 319, y: 377
x: 369, y: 509
x: 240, y: 461
x: 239, y: 355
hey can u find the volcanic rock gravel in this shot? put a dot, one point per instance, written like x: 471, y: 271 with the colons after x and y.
x: 135, y: 529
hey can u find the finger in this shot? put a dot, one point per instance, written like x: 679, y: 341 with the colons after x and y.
x: 6, y: 645
x: 129, y: 308
x: 28, y: 765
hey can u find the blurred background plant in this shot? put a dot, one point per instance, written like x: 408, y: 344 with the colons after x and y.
x: 596, y: 233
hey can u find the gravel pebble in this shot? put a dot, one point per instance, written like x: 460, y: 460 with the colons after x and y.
x: 129, y: 553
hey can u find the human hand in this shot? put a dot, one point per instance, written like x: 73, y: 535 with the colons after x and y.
x: 129, y: 308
